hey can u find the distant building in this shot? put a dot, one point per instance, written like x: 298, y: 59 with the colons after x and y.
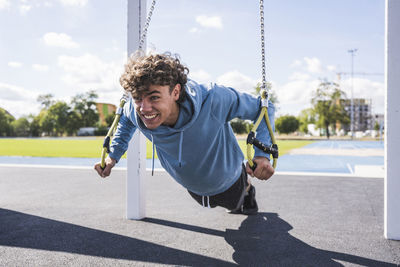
x: 362, y: 116
x: 86, y: 131
x: 104, y: 110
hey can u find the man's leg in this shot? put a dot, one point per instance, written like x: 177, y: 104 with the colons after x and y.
x: 250, y: 204
x: 240, y: 197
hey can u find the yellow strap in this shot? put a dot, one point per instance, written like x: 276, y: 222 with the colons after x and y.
x: 111, y: 132
x: 263, y: 114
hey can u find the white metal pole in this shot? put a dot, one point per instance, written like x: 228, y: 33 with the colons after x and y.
x: 352, y: 51
x: 136, y: 155
x: 392, y: 122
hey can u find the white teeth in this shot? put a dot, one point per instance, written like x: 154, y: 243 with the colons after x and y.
x: 149, y: 117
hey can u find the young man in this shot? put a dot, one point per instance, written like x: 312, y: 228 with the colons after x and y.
x: 189, y: 125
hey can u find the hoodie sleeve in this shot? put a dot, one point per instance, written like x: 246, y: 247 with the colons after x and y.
x: 122, y: 136
x: 229, y: 103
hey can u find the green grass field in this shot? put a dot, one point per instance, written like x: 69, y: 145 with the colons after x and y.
x: 91, y: 147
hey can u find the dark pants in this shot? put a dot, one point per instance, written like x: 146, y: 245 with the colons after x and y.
x: 230, y: 199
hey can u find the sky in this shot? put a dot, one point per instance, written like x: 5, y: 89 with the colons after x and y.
x: 68, y: 47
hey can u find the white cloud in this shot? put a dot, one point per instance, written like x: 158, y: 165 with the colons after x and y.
x: 209, y: 21
x: 4, y: 4
x: 80, y: 3
x: 299, y: 76
x: 237, y: 80
x: 365, y: 88
x: 39, y: 3
x: 15, y: 97
x: 13, y: 92
x: 296, y: 94
x: 59, y: 40
x: 89, y: 72
x: 14, y: 64
x: 313, y: 65
x: 331, y: 68
x: 23, y: 9
x: 200, y: 76
x: 41, y: 68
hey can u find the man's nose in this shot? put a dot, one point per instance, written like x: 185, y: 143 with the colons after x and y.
x: 145, y: 106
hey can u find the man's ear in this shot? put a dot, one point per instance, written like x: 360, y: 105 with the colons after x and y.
x: 176, y: 91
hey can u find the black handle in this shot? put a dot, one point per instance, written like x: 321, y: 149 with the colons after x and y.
x: 106, y: 143
x: 273, y: 149
x: 254, y: 166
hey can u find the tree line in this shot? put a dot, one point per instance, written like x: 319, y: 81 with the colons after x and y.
x: 56, y: 117
x: 59, y: 118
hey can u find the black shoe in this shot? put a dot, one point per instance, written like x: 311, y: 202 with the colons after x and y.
x: 250, y: 206
x: 237, y: 211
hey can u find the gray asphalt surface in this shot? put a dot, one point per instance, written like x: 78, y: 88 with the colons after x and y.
x: 71, y: 217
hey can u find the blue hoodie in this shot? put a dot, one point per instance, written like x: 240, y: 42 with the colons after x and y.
x: 200, y: 152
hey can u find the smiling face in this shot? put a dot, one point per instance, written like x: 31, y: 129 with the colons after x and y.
x: 157, y: 106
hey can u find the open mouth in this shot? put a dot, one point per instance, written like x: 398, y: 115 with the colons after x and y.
x: 149, y: 116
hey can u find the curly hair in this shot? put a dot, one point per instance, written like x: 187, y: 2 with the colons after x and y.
x: 141, y: 71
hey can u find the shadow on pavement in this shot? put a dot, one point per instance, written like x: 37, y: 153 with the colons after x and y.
x: 264, y: 240
x: 28, y: 231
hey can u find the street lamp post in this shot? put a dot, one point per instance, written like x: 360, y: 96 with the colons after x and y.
x: 352, y: 52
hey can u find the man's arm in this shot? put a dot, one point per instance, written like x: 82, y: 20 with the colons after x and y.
x: 119, y: 145
x: 122, y: 136
x: 248, y: 107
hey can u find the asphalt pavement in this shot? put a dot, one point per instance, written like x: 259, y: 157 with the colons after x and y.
x: 71, y: 217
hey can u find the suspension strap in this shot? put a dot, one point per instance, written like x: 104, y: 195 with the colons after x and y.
x: 111, y: 131
x: 251, y: 138
x: 124, y: 99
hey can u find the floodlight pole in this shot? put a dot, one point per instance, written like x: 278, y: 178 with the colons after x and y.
x: 352, y: 52
x: 392, y: 122
x: 136, y: 155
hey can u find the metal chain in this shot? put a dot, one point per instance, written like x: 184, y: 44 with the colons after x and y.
x: 264, y: 83
x: 146, y: 25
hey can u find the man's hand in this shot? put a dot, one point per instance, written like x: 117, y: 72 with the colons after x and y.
x: 263, y: 170
x: 110, y: 163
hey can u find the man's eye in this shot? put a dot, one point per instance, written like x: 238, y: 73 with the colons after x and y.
x: 154, y: 98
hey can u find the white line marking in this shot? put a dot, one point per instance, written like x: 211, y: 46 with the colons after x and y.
x: 65, y: 167
x: 160, y: 170
x: 349, y: 167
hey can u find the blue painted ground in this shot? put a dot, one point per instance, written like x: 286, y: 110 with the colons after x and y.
x: 325, y: 163
x: 346, y: 144
x: 286, y: 163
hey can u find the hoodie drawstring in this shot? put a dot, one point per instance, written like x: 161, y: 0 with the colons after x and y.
x: 180, y: 149
x: 208, y: 201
